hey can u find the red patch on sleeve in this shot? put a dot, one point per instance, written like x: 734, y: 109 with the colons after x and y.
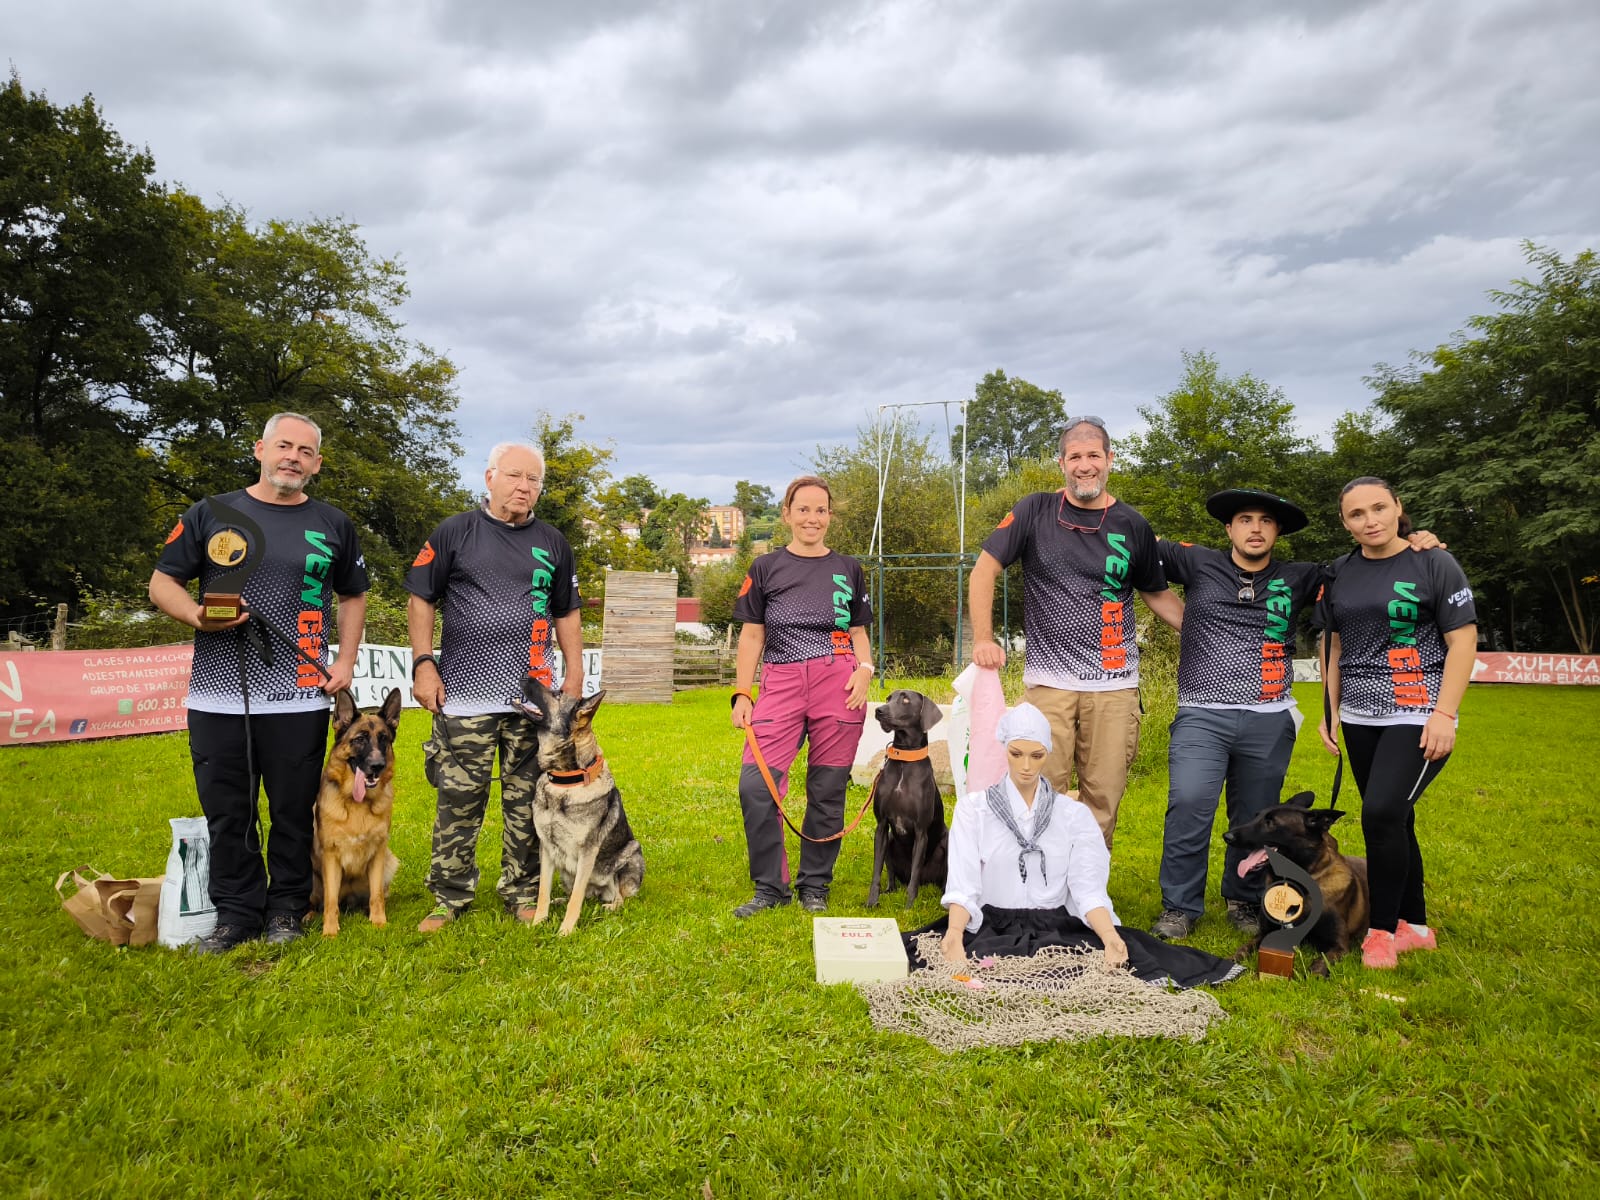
x: 1009, y: 517
x: 424, y: 556
x: 177, y: 532
x: 745, y: 586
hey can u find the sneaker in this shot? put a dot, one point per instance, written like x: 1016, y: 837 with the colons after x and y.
x: 1406, y: 938
x: 1174, y: 925
x: 814, y: 900
x: 441, y: 916
x: 1245, y: 916
x: 758, y: 902
x: 283, y: 928
x: 1377, y: 950
x: 224, y: 938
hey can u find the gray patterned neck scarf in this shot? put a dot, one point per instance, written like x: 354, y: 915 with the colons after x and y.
x: 1044, y: 805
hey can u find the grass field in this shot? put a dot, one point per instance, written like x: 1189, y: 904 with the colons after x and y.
x: 671, y: 1050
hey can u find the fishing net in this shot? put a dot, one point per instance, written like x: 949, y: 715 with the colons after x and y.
x: 1058, y: 993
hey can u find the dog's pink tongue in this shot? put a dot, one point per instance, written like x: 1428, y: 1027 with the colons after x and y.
x: 359, y: 787
x: 1258, y: 859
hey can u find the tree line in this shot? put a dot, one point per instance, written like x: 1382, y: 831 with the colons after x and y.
x: 145, y: 336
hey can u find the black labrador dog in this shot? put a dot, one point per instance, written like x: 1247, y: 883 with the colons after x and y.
x: 911, y: 837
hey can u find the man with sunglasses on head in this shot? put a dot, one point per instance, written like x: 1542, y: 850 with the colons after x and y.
x: 1084, y: 553
x: 1236, y: 721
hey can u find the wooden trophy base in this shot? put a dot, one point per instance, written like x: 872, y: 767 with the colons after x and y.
x: 219, y: 606
x: 1275, y: 964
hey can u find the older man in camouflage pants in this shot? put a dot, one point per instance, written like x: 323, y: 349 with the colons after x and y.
x: 506, y: 582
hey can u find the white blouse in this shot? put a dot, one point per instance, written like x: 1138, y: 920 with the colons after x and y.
x: 983, y: 859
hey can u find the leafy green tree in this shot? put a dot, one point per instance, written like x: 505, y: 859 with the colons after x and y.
x: 89, y: 267
x: 918, y: 518
x: 1502, y: 429
x: 1209, y: 433
x: 145, y: 339
x: 1009, y: 422
x: 752, y: 499
x: 302, y: 317
x: 718, y: 585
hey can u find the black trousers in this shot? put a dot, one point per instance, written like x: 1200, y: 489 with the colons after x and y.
x: 289, y: 752
x: 1391, y: 773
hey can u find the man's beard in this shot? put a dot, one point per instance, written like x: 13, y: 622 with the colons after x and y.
x: 1086, y: 491
x: 288, y: 483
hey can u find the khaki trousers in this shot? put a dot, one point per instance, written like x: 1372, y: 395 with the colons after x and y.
x: 1096, y: 735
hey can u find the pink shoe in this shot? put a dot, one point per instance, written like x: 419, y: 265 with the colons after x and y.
x: 1407, y: 938
x: 1377, y: 950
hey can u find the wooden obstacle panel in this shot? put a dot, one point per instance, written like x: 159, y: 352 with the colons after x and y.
x: 641, y: 616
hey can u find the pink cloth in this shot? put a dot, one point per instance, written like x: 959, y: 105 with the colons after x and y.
x: 986, y: 757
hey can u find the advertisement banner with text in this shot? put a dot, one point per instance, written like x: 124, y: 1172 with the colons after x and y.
x: 74, y: 695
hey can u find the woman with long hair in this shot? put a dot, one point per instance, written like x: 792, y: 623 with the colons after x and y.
x: 805, y: 614
x: 1401, y: 635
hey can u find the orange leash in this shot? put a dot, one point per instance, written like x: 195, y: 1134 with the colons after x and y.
x: 772, y: 790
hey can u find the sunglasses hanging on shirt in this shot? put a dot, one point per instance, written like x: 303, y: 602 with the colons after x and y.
x: 1247, y: 587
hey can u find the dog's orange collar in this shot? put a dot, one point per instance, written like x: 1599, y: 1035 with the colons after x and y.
x: 577, y: 778
x: 900, y: 755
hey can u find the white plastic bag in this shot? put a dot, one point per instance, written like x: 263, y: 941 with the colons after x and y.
x: 187, y: 914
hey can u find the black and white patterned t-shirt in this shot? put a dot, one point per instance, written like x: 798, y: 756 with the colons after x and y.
x: 1391, y: 615
x: 501, y: 588
x: 1078, y: 586
x: 311, y: 556
x: 807, y: 605
x: 1237, y: 653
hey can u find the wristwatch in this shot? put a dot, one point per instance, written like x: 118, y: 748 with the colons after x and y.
x: 871, y: 670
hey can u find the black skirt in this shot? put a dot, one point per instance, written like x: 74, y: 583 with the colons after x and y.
x: 1025, y: 931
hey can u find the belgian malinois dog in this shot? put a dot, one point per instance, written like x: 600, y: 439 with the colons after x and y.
x: 1301, y: 834
x: 577, y: 810
x: 351, y: 863
x: 911, y: 839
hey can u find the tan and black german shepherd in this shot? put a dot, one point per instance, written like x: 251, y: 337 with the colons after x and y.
x: 351, y: 862
x: 577, y: 810
x: 1301, y: 834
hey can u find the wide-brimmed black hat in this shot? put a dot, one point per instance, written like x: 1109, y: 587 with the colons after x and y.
x: 1289, y: 516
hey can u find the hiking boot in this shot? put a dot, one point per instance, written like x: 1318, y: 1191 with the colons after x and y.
x: 814, y: 900
x: 224, y: 938
x: 283, y: 928
x: 758, y: 902
x: 1406, y: 938
x: 441, y: 916
x: 1245, y: 916
x: 1174, y: 925
x: 1377, y: 950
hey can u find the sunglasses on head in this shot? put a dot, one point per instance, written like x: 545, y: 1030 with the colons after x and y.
x: 1085, y: 420
x: 1066, y: 524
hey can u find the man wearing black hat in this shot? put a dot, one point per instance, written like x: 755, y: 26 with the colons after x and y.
x: 1236, y: 720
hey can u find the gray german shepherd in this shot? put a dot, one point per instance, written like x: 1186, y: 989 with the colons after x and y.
x: 577, y: 810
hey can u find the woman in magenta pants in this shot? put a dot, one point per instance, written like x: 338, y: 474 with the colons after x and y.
x: 805, y: 616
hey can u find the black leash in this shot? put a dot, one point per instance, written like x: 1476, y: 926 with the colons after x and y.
x: 251, y: 637
x: 1327, y: 698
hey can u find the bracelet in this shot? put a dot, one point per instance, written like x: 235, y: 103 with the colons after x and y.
x: 1439, y: 712
x: 419, y: 660
x: 737, y: 692
x: 868, y: 667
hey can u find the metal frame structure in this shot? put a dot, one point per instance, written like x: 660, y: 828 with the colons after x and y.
x: 957, y: 560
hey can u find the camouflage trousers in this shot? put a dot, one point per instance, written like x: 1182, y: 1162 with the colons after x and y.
x: 459, y: 761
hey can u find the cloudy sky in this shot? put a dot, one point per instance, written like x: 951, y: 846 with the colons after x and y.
x: 729, y: 230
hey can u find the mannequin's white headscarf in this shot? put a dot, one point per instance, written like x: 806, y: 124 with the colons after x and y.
x: 1023, y: 722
